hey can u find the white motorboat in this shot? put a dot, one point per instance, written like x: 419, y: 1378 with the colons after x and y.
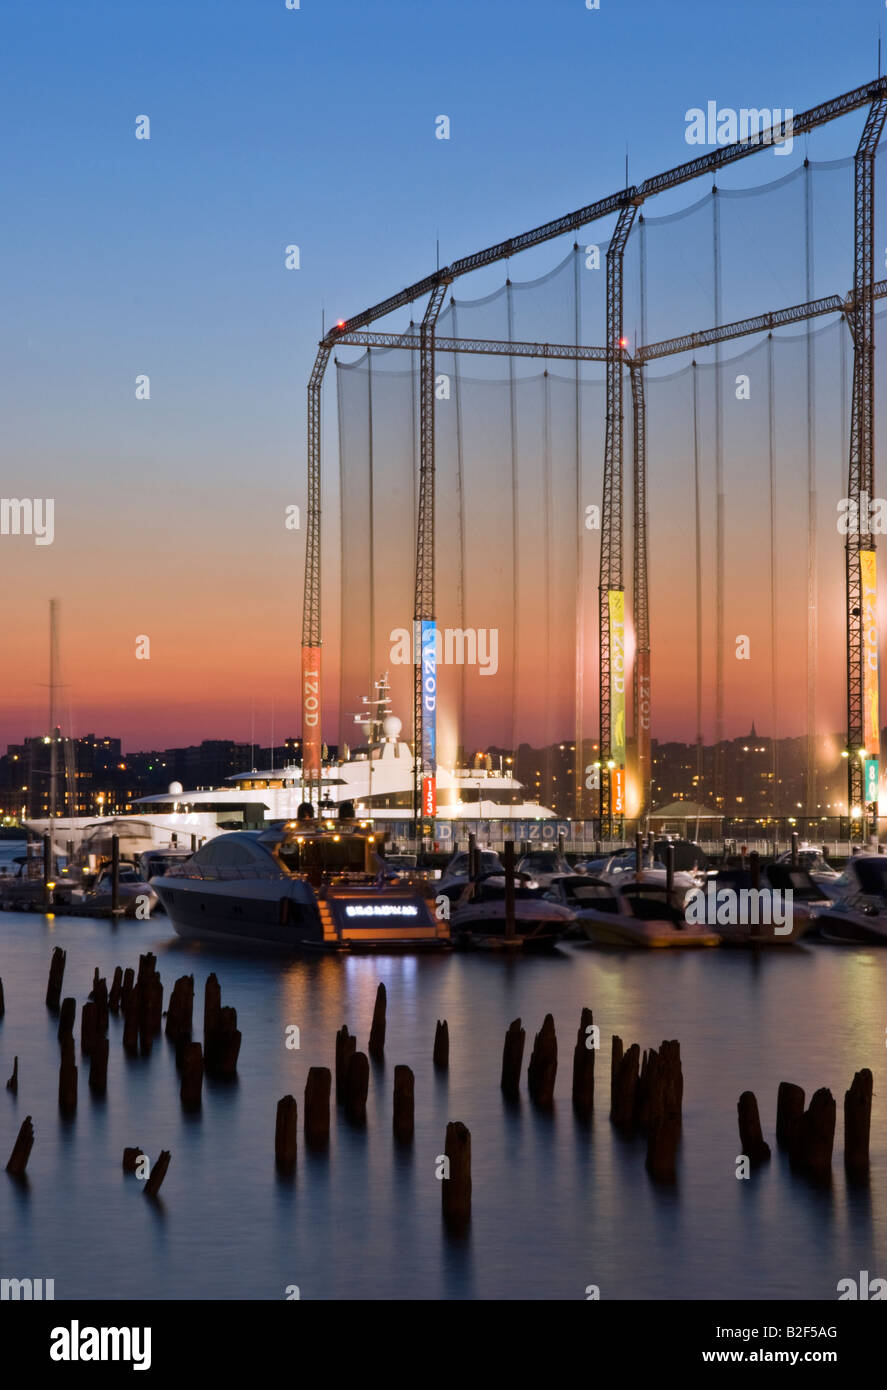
x: 857, y: 915
x: 643, y: 913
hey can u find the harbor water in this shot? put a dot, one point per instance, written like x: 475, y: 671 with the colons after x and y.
x: 558, y: 1206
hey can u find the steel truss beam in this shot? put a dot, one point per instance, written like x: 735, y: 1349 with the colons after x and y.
x: 423, y: 608
x: 861, y: 472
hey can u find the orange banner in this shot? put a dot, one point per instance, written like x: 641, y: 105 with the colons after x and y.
x: 311, y: 741
x: 617, y: 791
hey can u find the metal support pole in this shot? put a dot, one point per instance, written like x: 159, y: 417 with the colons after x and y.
x: 863, y: 731
x: 312, y: 739
x: 424, y: 633
x: 612, y: 643
x: 641, y: 712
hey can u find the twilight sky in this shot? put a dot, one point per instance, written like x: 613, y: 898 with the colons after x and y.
x: 166, y: 257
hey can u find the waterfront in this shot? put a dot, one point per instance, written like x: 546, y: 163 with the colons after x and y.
x: 556, y: 1206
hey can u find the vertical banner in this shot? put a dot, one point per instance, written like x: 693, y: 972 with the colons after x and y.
x: 428, y: 636
x: 311, y: 715
x: 617, y: 791
x: 870, y: 642
x: 616, y: 599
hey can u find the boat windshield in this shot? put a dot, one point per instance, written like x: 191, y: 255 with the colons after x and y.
x: 326, y: 855
x: 872, y: 876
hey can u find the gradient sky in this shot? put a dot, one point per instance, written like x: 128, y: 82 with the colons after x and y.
x: 166, y: 257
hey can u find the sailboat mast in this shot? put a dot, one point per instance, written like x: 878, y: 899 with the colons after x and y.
x: 53, y: 680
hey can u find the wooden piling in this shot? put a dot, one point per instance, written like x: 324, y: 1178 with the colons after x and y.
x: 56, y: 975
x: 286, y: 1134
x: 512, y: 1059
x: 583, y: 1066
x: 658, y: 1106
x: 789, y: 1109
x: 814, y: 1137
x: 115, y: 875
x: 404, y: 1104
x: 99, y: 996
x: 456, y: 1188
x: 68, y: 1077
x: 115, y: 994
x: 158, y: 1173
x: 508, y: 861
x: 89, y: 1031
x: 377, y: 1031
x: 192, y: 1075
x: 223, y: 1048
x: 212, y: 1007
x: 67, y: 1015
x: 180, y: 1014
x: 857, y: 1125
x: 21, y: 1149
x: 346, y: 1046
x: 624, y: 1084
x: 98, y: 1067
x: 669, y: 868
x: 542, y: 1070
x: 12, y: 1083
x: 357, y: 1082
x: 2, y: 1004
x: 318, y: 1085
x: 129, y: 984
x: 131, y: 1158
x: 751, y: 1138
x: 131, y: 1012
x: 441, y: 1055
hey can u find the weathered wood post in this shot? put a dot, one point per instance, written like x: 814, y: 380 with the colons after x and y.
x: 21, y: 1149
x: 456, y: 1187
x: 12, y: 1083
x: 68, y: 1077
x: 99, y: 996
x: 129, y: 984
x: 224, y: 1048
x: 56, y: 975
x: 795, y: 844
x: 158, y: 1173
x: 377, y: 1031
x: 67, y: 1015
x: 751, y: 1138
x: 583, y: 1066
x: 115, y: 875
x: 180, y: 1013
x: 346, y: 1046
x: 191, y: 1091
x: 472, y: 857
x: 857, y: 1125
x: 512, y: 1059
x: 441, y: 1055
x: 814, y: 1137
x: 286, y: 1134
x: 2, y: 1003
x: 318, y: 1085
x: 212, y: 1007
x: 662, y: 1098
x: 98, y: 1067
x: 789, y: 1109
x: 116, y: 992
x: 638, y: 851
x: 669, y: 868
x: 131, y: 1012
x: 542, y: 1070
x: 754, y: 868
x: 131, y: 1158
x: 404, y: 1104
x: 89, y: 1031
x: 510, y: 927
x: 624, y: 1084
x: 357, y: 1084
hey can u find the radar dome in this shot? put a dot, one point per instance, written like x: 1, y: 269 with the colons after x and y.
x: 391, y: 726
x: 175, y: 789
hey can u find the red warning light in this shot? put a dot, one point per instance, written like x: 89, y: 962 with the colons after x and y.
x: 341, y: 323
x: 623, y: 342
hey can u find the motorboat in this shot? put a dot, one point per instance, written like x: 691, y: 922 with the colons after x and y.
x: 776, y: 912
x: 304, y: 886
x: 857, y: 914
x: 814, y: 862
x: 478, y: 917
x: 456, y: 873
x: 543, y: 865
x: 135, y: 896
x: 643, y: 913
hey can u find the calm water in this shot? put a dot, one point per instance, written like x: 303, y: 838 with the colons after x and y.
x: 555, y: 1206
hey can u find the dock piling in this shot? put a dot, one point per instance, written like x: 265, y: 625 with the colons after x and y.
x: 286, y: 1134
x: 456, y: 1188
x: 318, y: 1086
x: 857, y: 1125
x: 441, y: 1054
x: 542, y: 1070
x: 751, y: 1138
x: 21, y: 1149
x: 512, y: 1059
x: 377, y: 1031
x: 56, y: 975
x: 404, y: 1104
x: 583, y: 1066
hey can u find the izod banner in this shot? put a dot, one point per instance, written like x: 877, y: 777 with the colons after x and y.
x: 617, y: 676
x: 868, y: 574
x: 311, y: 714
x: 428, y: 633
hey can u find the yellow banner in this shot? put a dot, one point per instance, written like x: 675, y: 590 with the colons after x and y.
x: 870, y: 646
x: 616, y: 598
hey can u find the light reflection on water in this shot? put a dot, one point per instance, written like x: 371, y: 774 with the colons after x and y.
x: 556, y: 1205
